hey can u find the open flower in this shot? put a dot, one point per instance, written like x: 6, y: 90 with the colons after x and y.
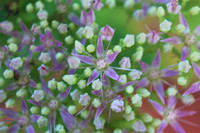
x: 171, y: 115
x: 154, y: 76
x: 21, y: 119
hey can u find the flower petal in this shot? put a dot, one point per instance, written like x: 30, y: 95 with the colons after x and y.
x: 52, y: 119
x: 196, y: 69
x: 121, y: 88
x: 52, y: 54
x: 100, y: 109
x: 84, y: 123
x: 75, y: 19
x: 11, y: 87
x: 185, y: 52
x: 144, y: 66
x: 32, y: 83
x: 197, y: 31
x: 24, y: 107
x: 85, y: 59
x: 112, y: 74
x: 96, y: 92
x: 30, y: 129
x: 14, y: 129
x: 184, y: 22
x: 162, y: 126
x: 160, y: 90
x: 142, y: 83
x: 34, y: 118
x: 94, y: 75
x: 35, y: 103
x: 171, y: 102
x: 169, y: 73
x: 39, y: 48
x: 12, y: 114
x: 24, y: 28
x: 162, y: 1
x: 45, y: 88
x: 59, y: 66
x: 173, y: 40
x: 177, y: 127
x: 139, y: 126
x: 68, y: 119
x: 105, y: 80
x: 111, y: 57
x: 194, y: 88
x: 181, y: 113
x: 156, y: 60
x: 100, y: 49
x: 160, y: 109
x: 64, y: 94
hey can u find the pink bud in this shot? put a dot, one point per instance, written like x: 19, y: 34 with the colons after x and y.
x: 43, y: 70
x: 117, y: 105
x: 125, y: 62
x: 173, y: 7
x: 107, y: 33
x: 73, y: 62
x: 153, y: 37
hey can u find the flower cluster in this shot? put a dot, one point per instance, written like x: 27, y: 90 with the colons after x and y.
x: 69, y: 66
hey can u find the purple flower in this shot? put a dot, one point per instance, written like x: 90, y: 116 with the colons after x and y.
x: 154, y: 76
x: 153, y: 37
x: 54, y: 103
x: 188, y: 39
x: 97, y: 4
x: 50, y: 44
x: 107, y: 33
x: 171, y: 115
x: 3, y: 55
x: 101, y: 63
x: 21, y: 119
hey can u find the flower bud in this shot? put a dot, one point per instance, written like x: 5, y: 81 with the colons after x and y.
x: 52, y: 84
x: 59, y: 56
x: 117, y: 48
x: 117, y: 105
x: 96, y: 102
x: 61, y: 86
x: 152, y: 11
x: 45, y: 57
x: 171, y: 91
x: 182, y: 81
x: 38, y: 95
x: 97, y: 84
x: 136, y: 100
x: 54, y: 24
x: 123, y: 78
x: 125, y: 62
x: 75, y: 95
x: 88, y: 32
x: 138, y: 55
x: 35, y: 29
x: 168, y: 47
x: 99, y: 123
x: 129, y: 89
x: 44, y: 23
x: 75, y: 6
x: 117, y: 130
x: 85, y: 3
x: 42, y: 14
x: 150, y: 129
x: 70, y: 79
x: 129, y: 116
x: 160, y: 11
x: 39, y: 5
x: 42, y: 122
x: 34, y: 110
x: 82, y: 84
x: 90, y: 48
x: 62, y: 28
x: 69, y: 39
x: 29, y: 7
x: 12, y: 47
x: 2, y: 82
x: 73, y: 62
x: 173, y: 7
x: 45, y: 111
x: 143, y: 92
x: 141, y: 38
x: 195, y: 56
x: 195, y: 10
x: 129, y: 3
x: 165, y: 26
x: 128, y: 109
x: 21, y: 92
x: 87, y: 72
x: 79, y: 47
x: 8, y: 74
x: 10, y: 103
x: 184, y: 66
x: 155, y: 123
x: 79, y: 32
x: 135, y: 74
x: 95, y: 27
x: 147, y: 118
x: 129, y: 40
x: 111, y: 3
x: 188, y: 99
x: 3, y: 96
x: 43, y: 70
x: 72, y: 109
x: 84, y: 114
x: 16, y: 63
x: 6, y: 26
x: 180, y: 28
x: 84, y: 99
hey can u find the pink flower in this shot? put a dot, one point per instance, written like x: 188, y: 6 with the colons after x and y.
x: 107, y: 33
x: 117, y: 105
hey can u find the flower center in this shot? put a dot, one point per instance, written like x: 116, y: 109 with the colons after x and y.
x: 171, y: 115
x: 174, y: 4
x: 53, y: 104
x: 101, y: 63
x: 23, y: 120
x: 23, y: 81
x: 154, y: 74
x: 190, y: 39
